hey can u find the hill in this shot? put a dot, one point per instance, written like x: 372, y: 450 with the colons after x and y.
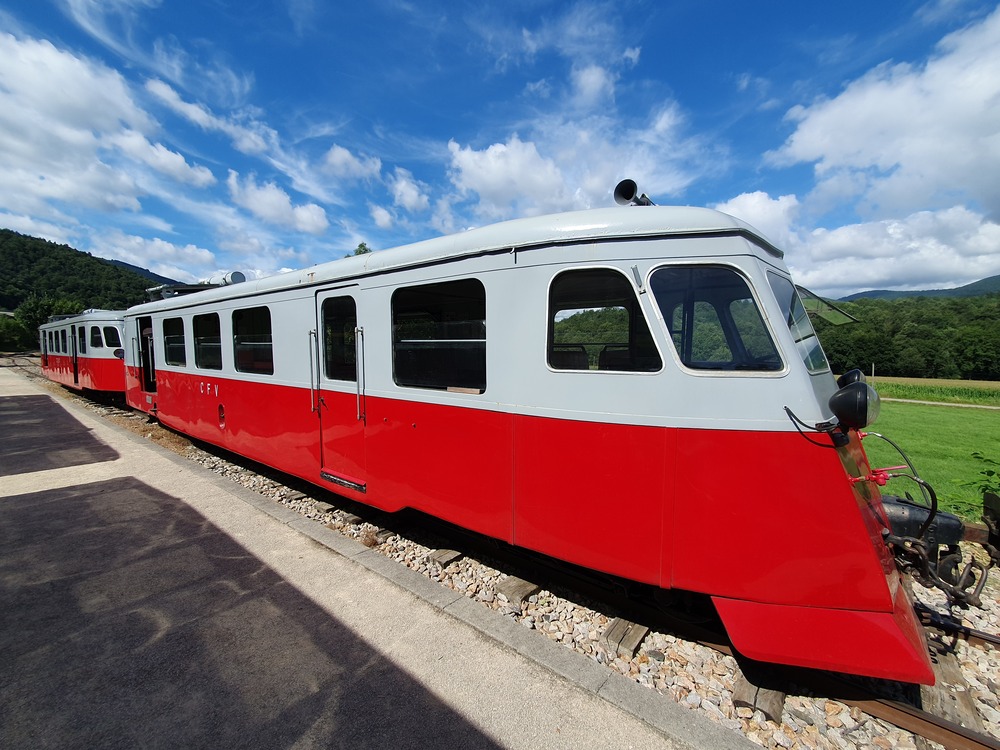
x: 989, y: 285
x: 154, y: 277
x: 32, y: 267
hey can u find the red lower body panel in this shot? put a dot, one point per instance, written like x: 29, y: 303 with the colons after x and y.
x: 889, y: 645
x: 594, y: 494
x: 92, y: 373
x: 766, y: 523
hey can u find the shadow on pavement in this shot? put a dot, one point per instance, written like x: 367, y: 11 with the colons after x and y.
x: 36, y: 434
x: 129, y: 620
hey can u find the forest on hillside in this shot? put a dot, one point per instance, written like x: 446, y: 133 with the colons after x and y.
x: 918, y: 337
x: 39, y: 278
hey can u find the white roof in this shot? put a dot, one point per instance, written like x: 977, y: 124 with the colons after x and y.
x: 564, y: 228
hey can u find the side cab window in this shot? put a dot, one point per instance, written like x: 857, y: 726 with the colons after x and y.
x: 596, y: 324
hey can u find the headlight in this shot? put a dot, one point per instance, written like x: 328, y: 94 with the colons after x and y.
x: 856, y: 405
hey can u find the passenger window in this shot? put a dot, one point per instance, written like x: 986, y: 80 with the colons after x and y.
x: 252, y: 340
x: 81, y: 337
x: 65, y: 348
x: 111, y: 337
x: 207, y: 341
x: 596, y: 323
x: 95, y: 338
x: 713, y: 319
x: 173, y: 342
x: 340, y: 322
x: 439, y: 336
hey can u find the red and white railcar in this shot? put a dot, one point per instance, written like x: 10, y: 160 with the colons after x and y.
x: 608, y: 387
x: 84, y: 351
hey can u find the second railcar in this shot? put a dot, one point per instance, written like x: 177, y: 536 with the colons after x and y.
x: 84, y: 351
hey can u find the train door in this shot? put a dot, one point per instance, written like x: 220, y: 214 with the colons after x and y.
x: 143, y: 344
x: 76, y: 355
x: 338, y: 348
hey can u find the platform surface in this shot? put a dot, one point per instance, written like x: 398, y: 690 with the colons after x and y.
x: 146, y: 602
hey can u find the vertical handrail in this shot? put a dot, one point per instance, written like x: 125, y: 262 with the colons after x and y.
x: 359, y: 360
x: 313, y: 375
x: 135, y: 356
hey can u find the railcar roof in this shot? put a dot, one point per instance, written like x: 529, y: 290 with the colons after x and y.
x: 86, y: 316
x: 522, y: 234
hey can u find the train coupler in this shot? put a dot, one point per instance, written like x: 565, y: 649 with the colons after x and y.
x: 917, y: 536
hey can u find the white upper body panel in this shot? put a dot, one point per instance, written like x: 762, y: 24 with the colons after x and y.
x: 517, y: 261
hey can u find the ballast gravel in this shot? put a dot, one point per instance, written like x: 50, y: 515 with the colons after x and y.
x: 694, y: 676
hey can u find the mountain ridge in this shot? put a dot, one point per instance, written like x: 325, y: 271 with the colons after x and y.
x: 988, y: 285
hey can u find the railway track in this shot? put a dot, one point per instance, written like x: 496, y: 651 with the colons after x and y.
x: 842, y: 688
x: 693, y: 622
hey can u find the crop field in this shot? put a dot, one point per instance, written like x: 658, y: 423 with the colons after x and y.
x: 939, y: 440
x: 979, y: 392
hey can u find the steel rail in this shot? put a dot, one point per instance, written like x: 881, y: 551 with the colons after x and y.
x: 935, y: 620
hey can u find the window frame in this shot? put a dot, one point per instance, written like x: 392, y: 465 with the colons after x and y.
x: 795, y: 328
x: 329, y: 343
x: 754, y: 296
x: 639, y: 313
x: 200, y: 347
x: 259, y: 365
x: 107, y: 339
x: 169, y: 347
x: 443, y: 362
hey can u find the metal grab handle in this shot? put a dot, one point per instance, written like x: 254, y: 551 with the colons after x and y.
x: 359, y: 364
x: 313, y: 357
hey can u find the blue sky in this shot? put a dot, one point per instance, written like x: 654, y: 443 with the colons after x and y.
x: 192, y: 138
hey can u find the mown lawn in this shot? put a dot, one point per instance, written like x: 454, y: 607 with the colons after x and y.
x: 940, y: 441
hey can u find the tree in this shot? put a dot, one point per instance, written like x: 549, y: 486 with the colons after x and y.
x: 36, y: 310
x: 14, y: 337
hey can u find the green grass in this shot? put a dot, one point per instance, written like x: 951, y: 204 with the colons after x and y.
x: 939, y: 441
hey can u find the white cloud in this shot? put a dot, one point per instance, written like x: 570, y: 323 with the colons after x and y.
x: 115, y: 24
x: 341, y: 163
x: 592, y: 86
x: 30, y: 226
x: 507, y: 176
x: 407, y: 192
x: 916, y: 252
x: 270, y: 203
x: 162, y: 159
x: 575, y: 162
x: 59, y: 117
x: 771, y: 216
x: 910, y: 137
x: 381, y: 216
x: 159, y: 256
x: 247, y: 134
